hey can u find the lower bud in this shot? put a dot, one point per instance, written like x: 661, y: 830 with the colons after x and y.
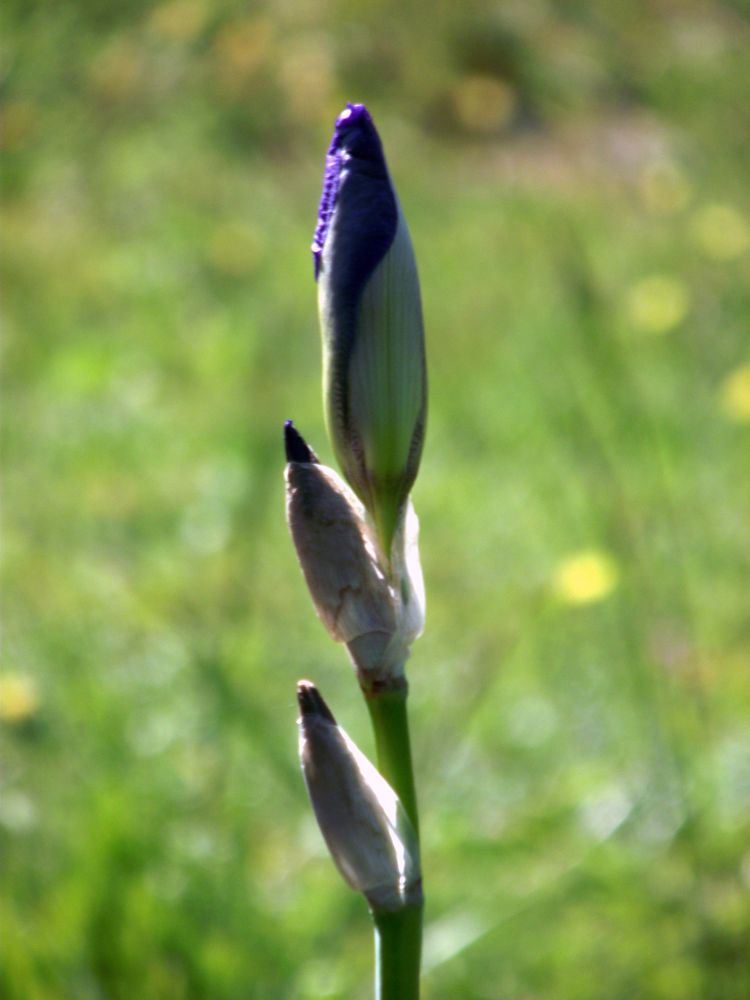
x: 365, y: 827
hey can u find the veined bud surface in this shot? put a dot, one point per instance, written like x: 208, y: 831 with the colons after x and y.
x: 374, y: 371
x: 365, y: 827
x: 376, y: 613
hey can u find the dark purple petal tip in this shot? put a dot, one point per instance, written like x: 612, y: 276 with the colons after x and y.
x: 352, y: 115
x: 354, y: 136
x: 311, y: 702
x: 295, y: 446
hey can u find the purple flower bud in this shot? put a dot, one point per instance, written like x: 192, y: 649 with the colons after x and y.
x: 375, y: 383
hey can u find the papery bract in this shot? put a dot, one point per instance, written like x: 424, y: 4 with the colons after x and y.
x: 376, y: 613
x: 365, y: 827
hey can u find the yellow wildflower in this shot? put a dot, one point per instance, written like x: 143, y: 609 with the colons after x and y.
x: 658, y: 303
x: 178, y: 20
x: 585, y: 577
x: 734, y: 395
x: 18, y: 698
x: 483, y: 103
x: 721, y: 231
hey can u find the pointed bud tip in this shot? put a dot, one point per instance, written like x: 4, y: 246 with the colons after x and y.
x: 311, y: 702
x: 295, y: 446
x: 352, y: 115
x: 354, y: 135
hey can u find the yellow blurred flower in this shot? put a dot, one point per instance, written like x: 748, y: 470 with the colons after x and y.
x: 18, y: 122
x: 242, y: 48
x: 721, y: 231
x: 18, y: 698
x: 117, y: 70
x: 178, y: 20
x: 305, y: 69
x: 663, y: 187
x: 658, y: 303
x: 483, y: 103
x: 585, y: 577
x: 734, y: 395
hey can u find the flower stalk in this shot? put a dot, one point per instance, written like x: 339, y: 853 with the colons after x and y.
x: 357, y: 544
x: 398, y: 937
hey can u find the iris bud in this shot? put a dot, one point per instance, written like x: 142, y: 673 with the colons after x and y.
x: 365, y: 827
x: 376, y: 614
x: 374, y: 373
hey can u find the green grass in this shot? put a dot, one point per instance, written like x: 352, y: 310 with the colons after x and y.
x: 582, y: 769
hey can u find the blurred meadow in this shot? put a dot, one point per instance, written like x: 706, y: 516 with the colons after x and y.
x: 576, y: 182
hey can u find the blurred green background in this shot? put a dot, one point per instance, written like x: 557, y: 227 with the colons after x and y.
x: 576, y: 181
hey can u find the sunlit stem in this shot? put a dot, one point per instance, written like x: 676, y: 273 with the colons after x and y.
x: 398, y: 947
x: 393, y: 745
x: 398, y: 936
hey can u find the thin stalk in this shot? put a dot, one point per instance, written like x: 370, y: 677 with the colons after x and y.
x: 393, y: 746
x: 398, y: 936
x: 398, y: 949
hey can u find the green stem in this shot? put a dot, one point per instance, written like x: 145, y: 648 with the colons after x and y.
x: 398, y: 936
x: 398, y: 948
x: 391, y: 726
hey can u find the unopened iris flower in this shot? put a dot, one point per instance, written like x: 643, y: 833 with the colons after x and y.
x: 375, y: 384
x: 368, y: 833
x: 377, y: 615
